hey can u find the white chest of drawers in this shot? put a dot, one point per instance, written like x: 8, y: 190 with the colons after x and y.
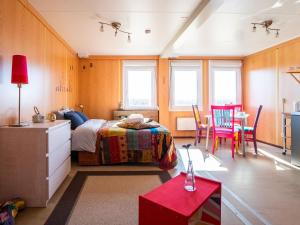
x: 34, y: 161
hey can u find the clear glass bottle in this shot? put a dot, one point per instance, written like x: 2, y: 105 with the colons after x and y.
x: 189, y: 183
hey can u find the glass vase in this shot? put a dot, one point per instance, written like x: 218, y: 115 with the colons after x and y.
x: 189, y: 183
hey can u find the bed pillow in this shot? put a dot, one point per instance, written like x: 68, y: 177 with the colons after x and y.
x: 75, y: 119
x: 82, y: 116
x: 60, y: 114
x: 135, y: 115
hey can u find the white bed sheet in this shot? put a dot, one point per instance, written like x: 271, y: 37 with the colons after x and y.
x: 84, y: 137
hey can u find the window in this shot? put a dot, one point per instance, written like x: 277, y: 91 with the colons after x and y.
x: 225, y: 82
x: 186, y: 85
x: 139, y: 84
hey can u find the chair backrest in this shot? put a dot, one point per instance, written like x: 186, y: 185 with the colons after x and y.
x: 257, y: 117
x: 196, y: 116
x: 223, y: 117
x: 238, y: 107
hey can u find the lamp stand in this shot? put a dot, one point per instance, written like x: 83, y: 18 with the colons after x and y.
x: 19, y: 124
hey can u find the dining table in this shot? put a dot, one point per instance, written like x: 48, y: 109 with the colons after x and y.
x: 241, y: 116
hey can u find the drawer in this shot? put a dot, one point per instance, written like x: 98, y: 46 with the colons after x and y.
x: 58, y: 176
x: 58, y: 136
x: 58, y: 156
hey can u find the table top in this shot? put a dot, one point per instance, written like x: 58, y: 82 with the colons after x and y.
x: 172, y: 194
x: 236, y: 116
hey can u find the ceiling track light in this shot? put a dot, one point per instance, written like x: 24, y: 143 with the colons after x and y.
x: 266, y: 24
x: 116, y: 26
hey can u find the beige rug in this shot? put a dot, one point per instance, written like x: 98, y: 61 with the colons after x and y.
x: 111, y: 200
x: 105, y: 197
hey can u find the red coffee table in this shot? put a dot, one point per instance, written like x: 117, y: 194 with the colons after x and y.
x: 171, y: 204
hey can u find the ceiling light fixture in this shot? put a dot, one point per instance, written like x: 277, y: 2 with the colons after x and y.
x: 116, y: 26
x: 266, y: 24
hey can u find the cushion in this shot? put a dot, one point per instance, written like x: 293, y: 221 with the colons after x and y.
x: 248, y: 128
x: 76, y: 120
x: 60, y: 113
x: 138, y: 125
x: 134, y: 120
x: 83, y: 116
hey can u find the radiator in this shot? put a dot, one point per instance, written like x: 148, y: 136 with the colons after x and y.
x: 186, y: 123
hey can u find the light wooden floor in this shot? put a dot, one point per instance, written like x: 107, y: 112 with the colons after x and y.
x: 256, y: 189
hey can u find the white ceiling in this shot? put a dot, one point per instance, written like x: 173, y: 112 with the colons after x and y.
x: 226, y: 30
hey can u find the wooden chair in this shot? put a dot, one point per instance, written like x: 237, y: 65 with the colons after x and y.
x: 237, y: 108
x: 250, y: 132
x: 223, y: 126
x: 200, y: 127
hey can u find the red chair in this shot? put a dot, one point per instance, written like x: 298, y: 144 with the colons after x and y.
x: 238, y: 108
x: 199, y: 126
x: 250, y: 132
x: 223, y: 125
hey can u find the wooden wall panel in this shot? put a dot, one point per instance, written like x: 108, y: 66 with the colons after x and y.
x: 265, y: 82
x: 22, y: 31
x: 99, y: 87
x: 163, y: 91
x: 259, y: 88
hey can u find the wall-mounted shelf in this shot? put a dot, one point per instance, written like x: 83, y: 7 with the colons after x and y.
x: 293, y: 74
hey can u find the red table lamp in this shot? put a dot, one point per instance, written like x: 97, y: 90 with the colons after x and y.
x: 19, y: 76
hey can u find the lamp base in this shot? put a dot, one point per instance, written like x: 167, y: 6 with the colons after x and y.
x: 19, y: 125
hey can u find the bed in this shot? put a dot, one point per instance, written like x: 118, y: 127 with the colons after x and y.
x: 101, y: 142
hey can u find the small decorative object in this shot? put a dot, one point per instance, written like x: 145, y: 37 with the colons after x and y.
x: 19, y: 76
x: 189, y: 183
x: 37, y: 118
x: 121, y: 105
x: 81, y: 107
x: 10, y: 209
x: 51, y: 117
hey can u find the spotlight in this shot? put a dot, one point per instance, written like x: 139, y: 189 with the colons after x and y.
x: 101, y: 28
x: 129, y: 38
x: 267, y: 31
x: 277, y: 34
x: 254, y: 28
x: 116, y: 32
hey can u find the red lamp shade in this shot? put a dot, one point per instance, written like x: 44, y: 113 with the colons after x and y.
x: 19, y: 70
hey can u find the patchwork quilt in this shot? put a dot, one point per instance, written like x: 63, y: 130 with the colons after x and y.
x: 119, y: 145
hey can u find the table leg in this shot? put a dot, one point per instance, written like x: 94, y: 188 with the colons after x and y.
x: 243, y: 137
x: 207, y: 133
x: 284, y: 134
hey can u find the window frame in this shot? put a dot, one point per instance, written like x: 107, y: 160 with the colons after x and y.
x: 137, y: 66
x: 225, y: 66
x: 186, y: 67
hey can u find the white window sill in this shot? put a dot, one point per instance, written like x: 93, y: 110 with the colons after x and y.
x: 183, y: 109
x: 140, y: 108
